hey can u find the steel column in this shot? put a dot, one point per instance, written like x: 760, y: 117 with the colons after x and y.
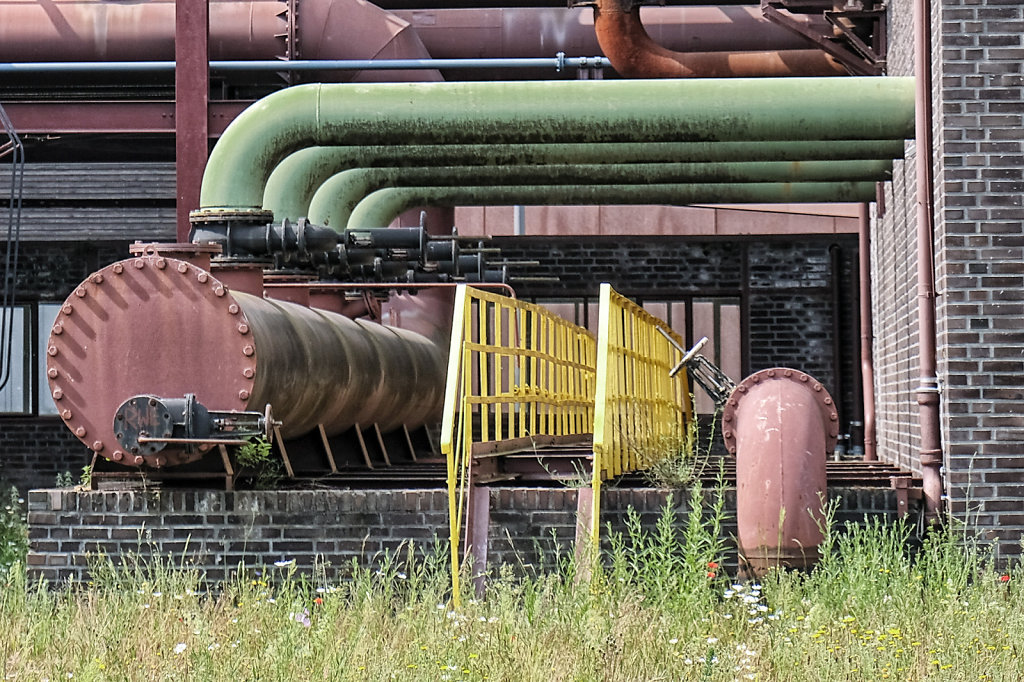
x: 191, y: 98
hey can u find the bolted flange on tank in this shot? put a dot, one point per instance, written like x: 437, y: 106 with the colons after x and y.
x: 781, y: 425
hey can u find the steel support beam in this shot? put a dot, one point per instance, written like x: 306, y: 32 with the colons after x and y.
x: 192, y: 95
x: 102, y: 117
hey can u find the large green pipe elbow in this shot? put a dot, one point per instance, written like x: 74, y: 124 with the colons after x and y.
x: 334, y: 202
x: 383, y: 206
x: 630, y: 111
x: 293, y: 182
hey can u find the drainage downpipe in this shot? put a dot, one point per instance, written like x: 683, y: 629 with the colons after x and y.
x: 548, y: 111
x: 334, y: 201
x: 291, y: 185
x: 380, y: 208
x: 928, y: 390
x: 634, y: 54
x: 867, y: 334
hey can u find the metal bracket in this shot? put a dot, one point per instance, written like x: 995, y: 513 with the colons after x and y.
x: 855, y: 35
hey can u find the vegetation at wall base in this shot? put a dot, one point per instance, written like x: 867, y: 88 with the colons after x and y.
x: 659, y: 607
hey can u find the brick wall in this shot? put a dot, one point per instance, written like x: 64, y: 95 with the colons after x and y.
x: 34, y: 450
x: 215, y: 531
x: 979, y: 265
x: 787, y: 286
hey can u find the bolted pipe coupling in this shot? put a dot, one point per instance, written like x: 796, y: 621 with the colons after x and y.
x: 146, y: 424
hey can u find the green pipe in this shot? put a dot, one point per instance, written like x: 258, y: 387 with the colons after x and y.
x: 383, y: 206
x: 630, y: 111
x: 293, y: 182
x: 338, y: 196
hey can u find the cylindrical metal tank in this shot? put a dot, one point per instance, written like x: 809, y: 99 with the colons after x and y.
x: 781, y: 424
x: 164, y: 326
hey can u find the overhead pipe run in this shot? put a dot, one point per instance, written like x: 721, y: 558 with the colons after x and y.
x: 535, y: 31
x: 380, y: 208
x: 634, y: 54
x: 291, y: 185
x: 334, y: 201
x: 93, y: 30
x: 527, y: 112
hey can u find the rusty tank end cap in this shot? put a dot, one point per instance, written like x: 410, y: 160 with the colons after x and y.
x: 139, y: 303
x: 829, y: 415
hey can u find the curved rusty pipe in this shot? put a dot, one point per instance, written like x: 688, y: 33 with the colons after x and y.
x: 633, y: 53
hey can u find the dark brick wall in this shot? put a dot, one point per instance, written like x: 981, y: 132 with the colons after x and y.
x: 37, y: 450
x: 34, y: 450
x: 795, y: 298
x: 978, y: 86
x: 215, y: 531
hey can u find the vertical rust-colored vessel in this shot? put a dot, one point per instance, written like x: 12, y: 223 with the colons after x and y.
x: 781, y: 424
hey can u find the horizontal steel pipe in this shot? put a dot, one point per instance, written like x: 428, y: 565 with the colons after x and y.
x: 293, y: 182
x: 380, y: 208
x: 534, y: 31
x: 234, y: 351
x: 334, y: 201
x: 546, y: 111
x: 91, y: 30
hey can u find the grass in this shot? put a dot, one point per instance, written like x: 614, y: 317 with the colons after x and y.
x: 660, y: 609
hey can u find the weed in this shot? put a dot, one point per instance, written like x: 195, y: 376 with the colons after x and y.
x: 264, y: 470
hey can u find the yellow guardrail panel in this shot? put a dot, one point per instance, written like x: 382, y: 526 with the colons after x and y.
x: 515, y: 370
x: 639, y: 409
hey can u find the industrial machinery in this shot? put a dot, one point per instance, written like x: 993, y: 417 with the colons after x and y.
x: 155, y: 360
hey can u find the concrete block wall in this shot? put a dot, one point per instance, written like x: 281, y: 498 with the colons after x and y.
x: 216, y: 531
x: 978, y: 87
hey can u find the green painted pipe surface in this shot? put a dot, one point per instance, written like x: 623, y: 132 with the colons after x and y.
x: 293, y: 182
x: 335, y: 200
x: 383, y: 206
x: 630, y: 111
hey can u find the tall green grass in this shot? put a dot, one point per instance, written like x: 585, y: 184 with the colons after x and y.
x: 658, y: 607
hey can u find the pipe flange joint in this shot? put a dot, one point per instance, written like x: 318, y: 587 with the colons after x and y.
x: 256, y: 216
x: 829, y: 414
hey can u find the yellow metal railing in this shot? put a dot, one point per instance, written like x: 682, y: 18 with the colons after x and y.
x: 640, y: 410
x: 516, y: 371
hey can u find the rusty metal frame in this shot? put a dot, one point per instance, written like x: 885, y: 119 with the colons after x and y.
x: 845, y: 45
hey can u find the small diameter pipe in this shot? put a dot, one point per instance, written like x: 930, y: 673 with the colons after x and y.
x: 291, y: 185
x: 589, y: 111
x: 380, y: 208
x: 928, y: 390
x: 867, y: 335
x: 334, y: 201
x: 559, y: 63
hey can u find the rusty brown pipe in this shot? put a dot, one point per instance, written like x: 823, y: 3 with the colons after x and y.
x: 92, y: 30
x: 780, y: 424
x: 517, y: 32
x: 928, y: 389
x: 633, y: 53
x: 867, y: 334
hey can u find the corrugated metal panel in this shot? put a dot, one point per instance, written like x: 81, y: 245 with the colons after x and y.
x: 67, y: 223
x: 93, y: 181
